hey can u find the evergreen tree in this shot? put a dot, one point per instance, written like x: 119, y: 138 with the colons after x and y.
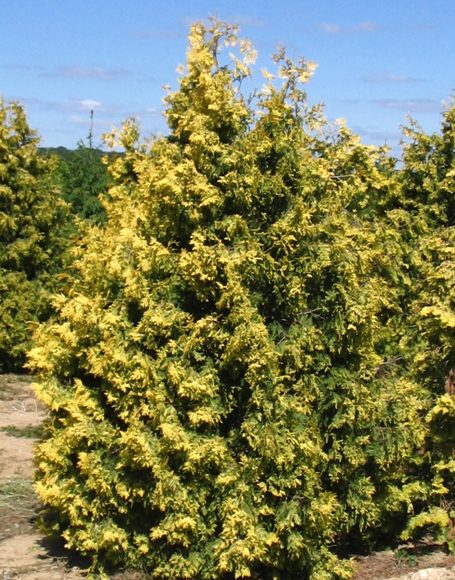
x: 225, y: 398
x: 83, y: 178
x: 32, y: 223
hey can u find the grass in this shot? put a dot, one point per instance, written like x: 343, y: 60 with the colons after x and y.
x: 28, y: 432
x: 18, y: 506
x: 16, y: 490
x: 13, y: 386
x: 405, y: 557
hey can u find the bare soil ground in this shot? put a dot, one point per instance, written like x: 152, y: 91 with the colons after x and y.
x: 26, y: 555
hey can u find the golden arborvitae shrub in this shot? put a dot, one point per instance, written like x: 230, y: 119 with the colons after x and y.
x: 32, y: 235
x: 427, y: 186
x: 227, y: 391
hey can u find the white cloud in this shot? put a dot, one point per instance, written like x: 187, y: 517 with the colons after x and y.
x: 365, y: 27
x: 95, y: 72
x: 36, y: 103
x: 73, y: 71
x: 89, y: 104
x: 331, y: 28
x: 410, y: 105
x: 25, y: 67
x: 64, y: 106
x: 361, y: 27
x: 368, y: 27
x: 378, y: 135
x: 391, y: 78
x: 249, y: 21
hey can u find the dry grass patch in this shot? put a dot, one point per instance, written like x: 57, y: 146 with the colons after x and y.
x: 18, y: 507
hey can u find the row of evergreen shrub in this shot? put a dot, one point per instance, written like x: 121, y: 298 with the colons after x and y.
x: 246, y: 360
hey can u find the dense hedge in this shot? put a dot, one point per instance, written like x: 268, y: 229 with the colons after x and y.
x: 244, y: 375
x: 427, y: 184
x: 33, y: 219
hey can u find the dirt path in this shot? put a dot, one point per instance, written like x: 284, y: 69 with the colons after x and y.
x: 26, y: 555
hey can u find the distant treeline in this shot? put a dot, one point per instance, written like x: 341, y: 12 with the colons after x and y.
x: 69, y: 154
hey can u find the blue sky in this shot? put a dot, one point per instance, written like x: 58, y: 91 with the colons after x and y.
x: 378, y: 59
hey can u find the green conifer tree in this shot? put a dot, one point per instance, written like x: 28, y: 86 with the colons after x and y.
x: 32, y: 227
x: 224, y: 398
x: 83, y: 178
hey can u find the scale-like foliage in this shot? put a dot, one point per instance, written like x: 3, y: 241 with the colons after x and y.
x: 428, y: 187
x: 225, y: 400
x: 31, y: 219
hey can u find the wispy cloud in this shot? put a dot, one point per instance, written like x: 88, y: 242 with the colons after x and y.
x: 390, y: 78
x: 330, y: 28
x: 423, y: 27
x: 69, y: 106
x: 78, y: 106
x: 95, y: 72
x: 378, y: 135
x: 70, y: 72
x: 25, y: 67
x: 74, y: 114
x: 410, y: 105
x: 31, y: 102
x: 249, y: 21
x: 364, y: 27
x: 361, y: 27
x: 89, y: 104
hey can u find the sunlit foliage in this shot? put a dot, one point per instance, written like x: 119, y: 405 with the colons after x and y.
x: 32, y: 230
x: 230, y: 375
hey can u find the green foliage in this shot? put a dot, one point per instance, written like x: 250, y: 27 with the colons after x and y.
x: 429, y: 173
x: 228, y: 375
x: 428, y: 520
x: 428, y: 187
x: 32, y: 217
x: 428, y: 184
x: 403, y: 556
x: 83, y: 178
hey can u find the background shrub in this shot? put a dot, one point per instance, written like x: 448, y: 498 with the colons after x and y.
x: 33, y: 221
